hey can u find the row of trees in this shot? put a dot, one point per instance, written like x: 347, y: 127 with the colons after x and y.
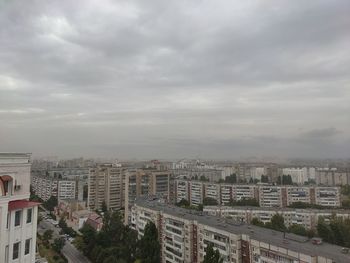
x: 336, y: 231
x: 117, y: 243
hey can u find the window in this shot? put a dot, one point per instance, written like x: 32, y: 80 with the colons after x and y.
x: 8, y: 220
x: 29, y: 215
x: 18, y: 218
x: 27, y: 247
x: 15, y: 250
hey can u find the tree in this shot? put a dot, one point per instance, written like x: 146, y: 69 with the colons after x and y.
x: 264, y: 179
x: 149, y: 247
x: 298, y: 230
x: 232, y: 179
x: 212, y: 256
x: 47, y: 237
x: 51, y: 203
x: 183, y: 203
x: 210, y: 201
x: 58, y: 244
x: 104, y: 208
x: 277, y: 222
x: 255, y: 221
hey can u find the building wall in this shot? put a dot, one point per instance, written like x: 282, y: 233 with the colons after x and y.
x: 17, y: 166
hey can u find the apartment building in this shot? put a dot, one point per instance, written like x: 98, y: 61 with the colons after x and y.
x: 267, y: 195
x: 182, y: 190
x: 332, y: 176
x: 327, y: 196
x: 307, y: 218
x: 184, y: 237
x: 240, y: 192
x: 196, y: 193
x: 63, y: 189
x: 145, y: 182
x: 271, y: 196
x: 300, y: 194
x: 18, y: 216
x: 212, y: 191
x: 106, y: 184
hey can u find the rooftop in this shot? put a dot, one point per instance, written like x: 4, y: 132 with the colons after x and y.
x: 257, y: 233
x: 277, y: 209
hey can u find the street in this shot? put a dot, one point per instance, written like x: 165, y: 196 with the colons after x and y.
x: 69, y: 251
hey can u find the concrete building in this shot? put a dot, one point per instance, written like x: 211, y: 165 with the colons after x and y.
x: 332, y: 176
x: 184, y: 237
x: 106, y: 184
x: 307, y: 218
x: 18, y: 216
x: 327, y: 196
x: 63, y: 189
x: 267, y: 195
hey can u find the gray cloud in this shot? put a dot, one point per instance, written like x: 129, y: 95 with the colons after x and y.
x: 175, y: 78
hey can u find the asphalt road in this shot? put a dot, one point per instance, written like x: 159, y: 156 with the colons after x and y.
x: 72, y: 254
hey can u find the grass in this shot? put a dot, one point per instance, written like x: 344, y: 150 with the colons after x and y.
x: 51, y: 255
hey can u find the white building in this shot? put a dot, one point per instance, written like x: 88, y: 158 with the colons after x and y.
x: 18, y: 216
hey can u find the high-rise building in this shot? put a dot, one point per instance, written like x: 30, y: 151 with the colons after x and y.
x: 18, y: 215
x: 106, y: 184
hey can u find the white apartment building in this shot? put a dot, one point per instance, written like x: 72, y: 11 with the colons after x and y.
x: 45, y: 187
x: 212, y: 191
x: 270, y: 196
x: 225, y: 193
x: 328, y: 196
x: 184, y: 237
x: 267, y: 195
x: 182, y: 190
x: 308, y: 218
x: 18, y: 216
x: 298, y: 194
x: 240, y: 192
x: 196, y: 193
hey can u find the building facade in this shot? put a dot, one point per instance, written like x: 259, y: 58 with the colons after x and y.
x: 185, y: 236
x: 106, y: 185
x: 266, y: 195
x: 18, y: 216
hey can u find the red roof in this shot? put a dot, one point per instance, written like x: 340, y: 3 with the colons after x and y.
x: 20, y: 204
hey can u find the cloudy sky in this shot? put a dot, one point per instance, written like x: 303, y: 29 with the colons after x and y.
x: 175, y: 78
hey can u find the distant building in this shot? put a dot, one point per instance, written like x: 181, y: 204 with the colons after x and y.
x: 63, y: 189
x: 307, y: 218
x: 266, y: 195
x: 18, y: 216
x: 106, y: 184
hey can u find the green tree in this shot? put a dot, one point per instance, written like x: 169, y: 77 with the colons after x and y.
x: 264, y: 179
x: 51, y: 203
x: 183, y: 203
x: 47, y: 235
x: 255, y: 221
x: 149, y: 247
x: 58, y: 244
x: 210, y: 201
x: 211, y: 255
x: 298, y: 230
x: 232, y: 179
x: 277, y: 222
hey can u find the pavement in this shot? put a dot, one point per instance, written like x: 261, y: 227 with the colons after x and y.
x: 69, y: 251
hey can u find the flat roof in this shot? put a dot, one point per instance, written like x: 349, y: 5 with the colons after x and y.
x: 277, y: 209
x: 261, y: 234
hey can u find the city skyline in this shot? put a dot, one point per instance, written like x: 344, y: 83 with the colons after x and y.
x: 219, y: 80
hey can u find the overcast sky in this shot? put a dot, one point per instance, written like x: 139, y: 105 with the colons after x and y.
x: 171, y: 79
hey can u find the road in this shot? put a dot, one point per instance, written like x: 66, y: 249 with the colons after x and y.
x: 69, y: 251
